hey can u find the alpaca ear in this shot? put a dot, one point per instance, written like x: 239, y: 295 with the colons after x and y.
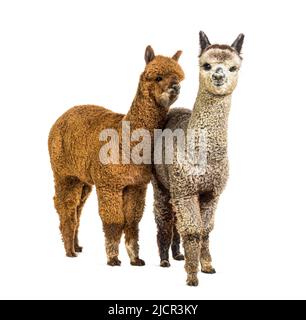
x: 237, y: 44
x: 149, y: 54
x: 204, y: 42
x: 177, y: 55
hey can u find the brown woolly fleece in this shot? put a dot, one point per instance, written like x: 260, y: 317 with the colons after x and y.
x: 74, y: 152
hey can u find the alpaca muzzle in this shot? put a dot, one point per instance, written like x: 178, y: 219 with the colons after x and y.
x: 218, y: 77
x: 170, y: 96
x: 176, y: 88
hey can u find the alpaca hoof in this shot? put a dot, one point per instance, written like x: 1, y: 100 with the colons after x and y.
x: 78, y: 249
x: 71, y: 255
x: 209, y: 271
x: 114, y: 262
x: 138, y: 263
x: 192, y: 281
x: 165, y: 264
x: 179, y: 257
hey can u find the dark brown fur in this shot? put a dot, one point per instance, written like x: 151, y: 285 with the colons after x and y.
x: 221, y: 47
x: 74, y: 152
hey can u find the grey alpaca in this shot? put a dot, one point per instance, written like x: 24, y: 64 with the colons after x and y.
x: 184, y: 199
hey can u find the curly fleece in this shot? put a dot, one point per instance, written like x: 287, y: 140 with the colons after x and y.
x: 185, y: 200
x: 74, y: 153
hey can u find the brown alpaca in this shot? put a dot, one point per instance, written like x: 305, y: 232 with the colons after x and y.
x: 74, y: 151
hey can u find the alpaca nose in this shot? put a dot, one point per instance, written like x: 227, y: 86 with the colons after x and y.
x: 176, y: 87
x: 218, y: 75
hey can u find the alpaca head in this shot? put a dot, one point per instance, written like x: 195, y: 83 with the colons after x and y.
x: 162, y: 77
x: 219, y: 65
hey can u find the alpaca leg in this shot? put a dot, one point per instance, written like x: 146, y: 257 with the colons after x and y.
x: 110, y: 210
x: 175, y: 247
x: 208, y: 205
x: 67, y: 197
x: 113, y: 233
x: 133, y: 207
x: 206, y: 266
x: 85, y: 193
x: 164, y: 221
x: 189, y: 225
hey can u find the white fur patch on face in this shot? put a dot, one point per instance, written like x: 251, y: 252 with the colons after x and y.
x: 215, y: 62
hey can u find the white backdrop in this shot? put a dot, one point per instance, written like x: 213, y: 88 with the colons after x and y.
x: 56, y: 54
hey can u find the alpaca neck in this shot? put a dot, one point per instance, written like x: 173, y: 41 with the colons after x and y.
x: 210, y: 113
x: 144, y: 112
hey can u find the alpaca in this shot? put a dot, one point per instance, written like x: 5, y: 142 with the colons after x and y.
x: 183, y: 196
x: 121, y: 188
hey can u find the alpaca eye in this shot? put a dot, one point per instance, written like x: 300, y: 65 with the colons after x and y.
x: 233, y: 69
x: 158, y: 79
x: 207, y: 66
